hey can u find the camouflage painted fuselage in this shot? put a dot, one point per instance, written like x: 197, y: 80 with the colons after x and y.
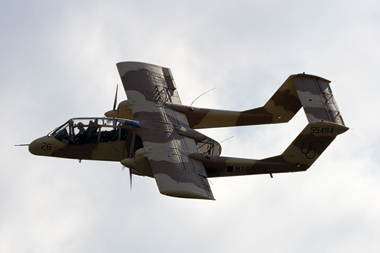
x: 159, y: 139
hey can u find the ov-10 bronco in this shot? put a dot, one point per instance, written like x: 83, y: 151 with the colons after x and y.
x: 154, y: 135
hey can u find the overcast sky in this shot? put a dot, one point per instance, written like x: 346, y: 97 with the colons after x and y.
x: 58, y: 62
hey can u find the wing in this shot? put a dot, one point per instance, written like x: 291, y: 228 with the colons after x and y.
x: 149, y: 88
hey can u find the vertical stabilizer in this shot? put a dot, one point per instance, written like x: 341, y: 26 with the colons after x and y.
x: 317, y: 99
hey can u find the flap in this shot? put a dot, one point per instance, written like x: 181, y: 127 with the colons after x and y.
x: 176, y: 175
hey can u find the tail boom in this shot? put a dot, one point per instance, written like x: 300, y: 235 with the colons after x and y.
x: 325, y: 122
x: 299, y: 156
x: 217, y: 166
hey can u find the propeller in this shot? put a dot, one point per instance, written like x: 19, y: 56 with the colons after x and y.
x: 130, y: 177
x: 131, y: 149
x: 113, y: 113
x: 115, y: 101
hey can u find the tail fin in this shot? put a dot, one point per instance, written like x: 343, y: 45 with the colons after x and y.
x: 325, y: 122
x: 317, y: 99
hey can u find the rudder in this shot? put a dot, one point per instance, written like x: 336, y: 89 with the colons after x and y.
x: 316, y: 98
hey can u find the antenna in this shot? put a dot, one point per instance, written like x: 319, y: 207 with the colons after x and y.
x: 202, y: 95
x: 227, y: 139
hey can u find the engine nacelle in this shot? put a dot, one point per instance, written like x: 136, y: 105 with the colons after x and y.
x: 139, y: 163
x: 123, y: 111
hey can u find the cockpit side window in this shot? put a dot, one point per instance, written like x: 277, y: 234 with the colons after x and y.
x: 86, y: 132
x: 92, y: 132
x: 109, y: 134
x: 79, y: 131
x: 124, y: 133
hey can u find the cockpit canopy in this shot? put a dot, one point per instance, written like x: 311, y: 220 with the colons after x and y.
x: 93, y: 130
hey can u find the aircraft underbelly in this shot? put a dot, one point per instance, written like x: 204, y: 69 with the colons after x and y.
x: 107, y: 151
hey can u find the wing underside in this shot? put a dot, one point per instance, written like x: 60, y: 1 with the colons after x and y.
x: 149, y: 89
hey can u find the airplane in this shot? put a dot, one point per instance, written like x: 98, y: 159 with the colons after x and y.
x: 154, y: 135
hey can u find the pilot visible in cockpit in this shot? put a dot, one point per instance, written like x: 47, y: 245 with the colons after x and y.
x: 80, y: 136
x: 91, y: 132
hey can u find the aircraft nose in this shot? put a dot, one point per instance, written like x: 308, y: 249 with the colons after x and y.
x: 35, y: 146
x: 45, y: 146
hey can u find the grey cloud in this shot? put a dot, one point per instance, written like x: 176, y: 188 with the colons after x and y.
x: 58, y: 61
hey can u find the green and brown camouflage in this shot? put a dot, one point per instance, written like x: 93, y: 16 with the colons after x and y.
x: 159, y: 139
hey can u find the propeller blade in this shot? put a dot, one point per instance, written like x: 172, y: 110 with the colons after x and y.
x: 115, y: 101
x: 130, y: 179
x: 132, y: 147
x: 131, y: 150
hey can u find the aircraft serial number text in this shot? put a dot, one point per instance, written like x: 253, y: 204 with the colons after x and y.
x: 323, y: 130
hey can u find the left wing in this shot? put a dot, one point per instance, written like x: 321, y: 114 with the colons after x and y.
x: 149, y: 88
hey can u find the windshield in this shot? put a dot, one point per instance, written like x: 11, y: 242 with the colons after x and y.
x: 92, y: 130
x: 63, y: 133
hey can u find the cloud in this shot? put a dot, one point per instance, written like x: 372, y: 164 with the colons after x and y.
x: 58, y: 61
